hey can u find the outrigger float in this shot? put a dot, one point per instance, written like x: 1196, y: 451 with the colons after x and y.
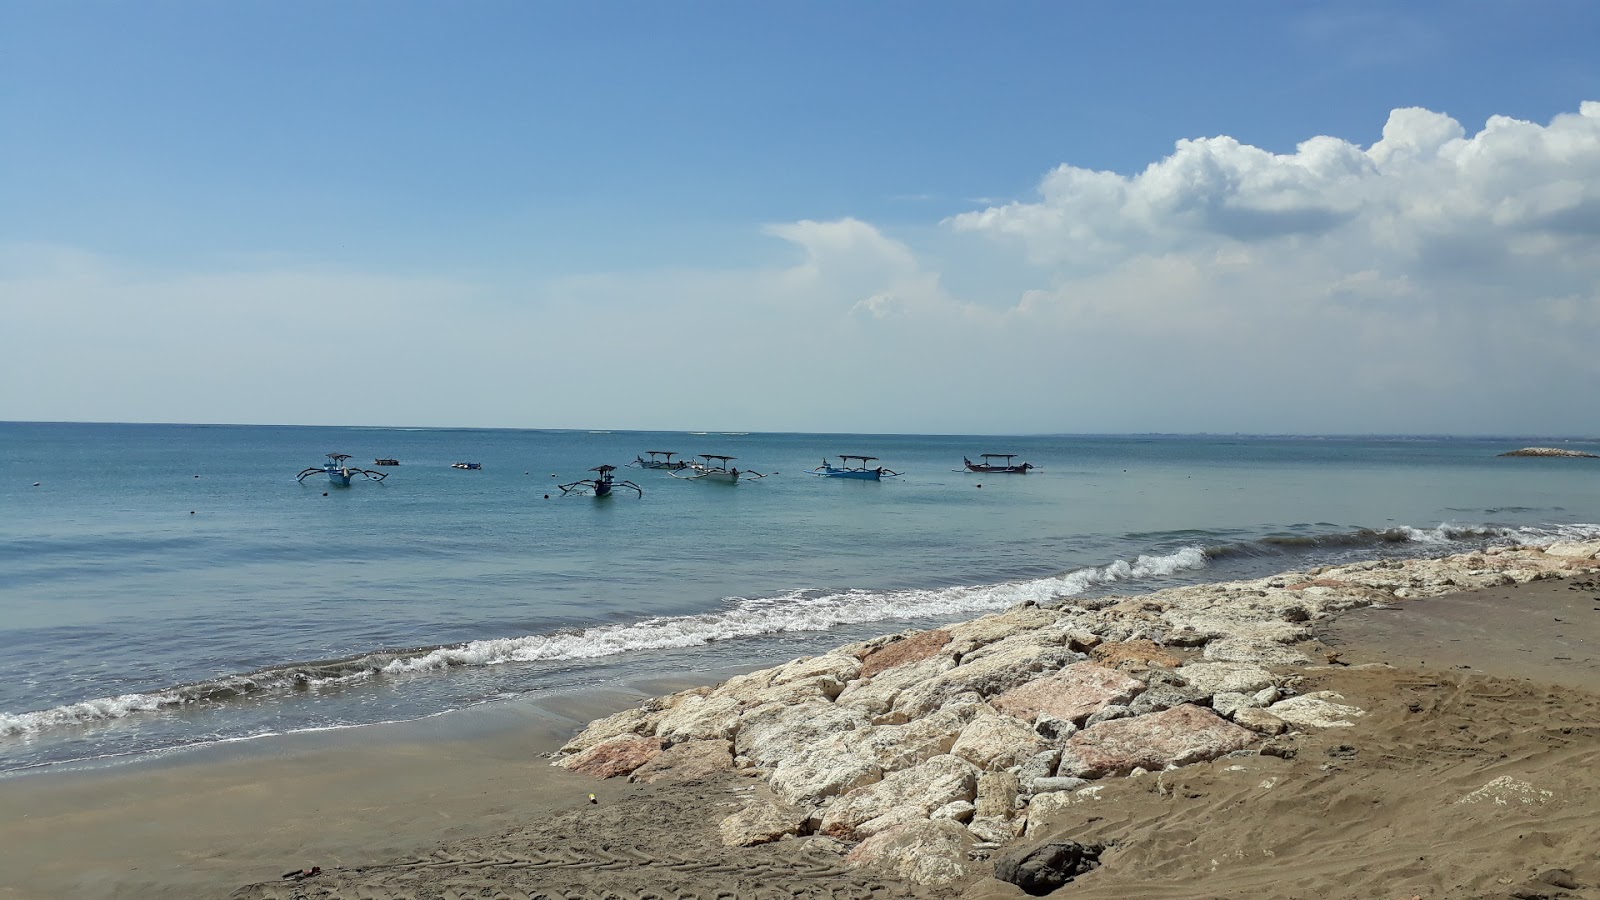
x: 1006, y: 467
x: 339, y: 472
x: 715, y: 468
x: 851, y: 466
x: 601, y: 485
x: 660, y: 459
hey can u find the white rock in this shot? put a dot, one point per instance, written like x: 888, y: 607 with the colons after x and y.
x: 926, y: 787
x: 1315, y: 711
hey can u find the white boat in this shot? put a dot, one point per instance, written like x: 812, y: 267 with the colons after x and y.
x: 714, y: 467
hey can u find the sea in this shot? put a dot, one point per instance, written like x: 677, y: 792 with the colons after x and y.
x: 168, y: 587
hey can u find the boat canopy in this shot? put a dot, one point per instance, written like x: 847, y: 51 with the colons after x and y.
x: 716, y: 456
x: 999, y: 455
x: 864, y: 459
x: 338, y: 457
x: 667, y: 453
x: 603, y: 469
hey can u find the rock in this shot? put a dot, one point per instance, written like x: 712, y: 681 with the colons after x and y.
x: 1210, y: 678
x: 955, y: 811
x: 1227, y: 703
x: 1047, y: 867
x: 997, y: 795
x: 1045, y: 808
x: 700, y: 719
x: 1072, y: 694
x: 926, y: 852
x: 761, y: 822
x: 878, y: 695
x: 1040, y: 765
x: 997, y: 742
x: 1315, y: 711
x: 1174, y: 737
x: 691, y: 761
x: 1573, y: 550
x: 1139, y: 654
x: 896, y: 747
x: 613, y: 756
x: 1166, y: 696
x: 968, y: 637
x: 912, y: 648
x: 1107, y: 714
x: 1259, y: 721
x: 1551, y: 451
x: 1261, y: 653
x: 925, y: 788
x: 629, y: 721
x: 1001, y: 666
x: 826, y: 772
x: 769, y: 735
x: 1054, y: 730
x: 1052, y: 785
x: 994, y: 829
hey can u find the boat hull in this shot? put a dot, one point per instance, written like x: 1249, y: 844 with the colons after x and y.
x: 867, y: 475
x: 339, y: 477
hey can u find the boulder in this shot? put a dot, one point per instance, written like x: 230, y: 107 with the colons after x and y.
x: 896, y: 747
x: 1175, y: 737
x: 1042, y: 869
x: 955, y: 811
x: 997, y: 795
x: 770, y: 735
x: 826, y: 772
x: 691, y: 761
x: 910, y: 648
x: 699, y: 719
x: 762, y: 821
x: 968, y: 637
x: 613, y: 756
x: 925, y: 788
x: 924, y: 852
x: 1260, y: 721
x: 997, y: 742
x: 1134, y: 655
x: 1072, y: 694
x: 629, y: 721
x: 1316, y: 710
x: 1001, y: 666
x: 1209, y: 678
x: 877, y: 695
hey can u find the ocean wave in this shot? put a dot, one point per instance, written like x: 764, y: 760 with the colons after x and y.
x: 794, y: 611
x: 1441, y: 536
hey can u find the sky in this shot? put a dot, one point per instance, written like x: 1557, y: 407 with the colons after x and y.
x: 927, y: 217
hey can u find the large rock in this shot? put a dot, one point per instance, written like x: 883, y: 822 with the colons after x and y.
x: 1000, y: 667
x: 877, y: 696
x: 629, y: 721
x: 613, y: 756
x: 700, y: 719
x: 997, y: 742
x: 911, y: 648
x: 1072, y: 694
x: 1175, y: 737
x: 1047, y: 867
x: 1211, y: 678
x: 777, y: 733
x: 968, y: 637
x: 896, y: 747
x: 829, y: 771
x: 1316, y: 710
x: 1258, y: 652
x: 997, y: 795
x: 691, y: 761
x: 923, y: 788
x: 762, y: 821
x: 1134, y: 655
x: 923, y: 852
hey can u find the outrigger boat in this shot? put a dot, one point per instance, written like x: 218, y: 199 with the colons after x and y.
x: 660, y: 459
x: 386, y: 461
x: 601, y: 485
x: 856, y: 469
x: 466, y: 465
x: 1005, y: 467
x: 339, y: 472
x: 715, y: 468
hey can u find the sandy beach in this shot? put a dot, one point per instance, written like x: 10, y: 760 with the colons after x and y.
x: 1467, y: 770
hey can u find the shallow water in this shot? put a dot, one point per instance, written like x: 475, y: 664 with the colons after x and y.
x: 167, y: 585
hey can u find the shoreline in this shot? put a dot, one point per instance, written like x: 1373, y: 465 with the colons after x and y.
x: 355, y: 803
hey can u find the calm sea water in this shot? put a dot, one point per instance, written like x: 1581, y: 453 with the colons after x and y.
x: 163, y: 586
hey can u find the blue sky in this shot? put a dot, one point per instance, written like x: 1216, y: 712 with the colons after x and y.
x: 724, y: 215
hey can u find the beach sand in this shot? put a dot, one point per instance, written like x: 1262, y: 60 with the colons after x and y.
x: 1474, y: 773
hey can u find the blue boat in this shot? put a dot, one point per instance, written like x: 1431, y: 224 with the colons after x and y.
x: 601, y: 486
x: 851, y: 466
x: 340, y: 472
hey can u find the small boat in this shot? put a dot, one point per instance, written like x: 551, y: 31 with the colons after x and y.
x: 851, y: 466
x: 466, y: 465
x: 386, y: 461
x: 1007, y: 467
x: 601, y: 485
x: 660, y: 459
x: 340, y: 472
x: 715, y: 468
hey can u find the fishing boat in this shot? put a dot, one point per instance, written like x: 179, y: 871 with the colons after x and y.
x: 604, y: 482
x: 466, y: 465
x: 851, y: 466
x: 659, y: 459
x: 339, y: 471
x: 386, y: 461
x: 714, y: 467
x: 1006, y: 467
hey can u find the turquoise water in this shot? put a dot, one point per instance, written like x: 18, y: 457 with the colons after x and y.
x: 166, y: 585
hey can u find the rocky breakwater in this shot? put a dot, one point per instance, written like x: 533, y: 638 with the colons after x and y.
x: 929, y: 748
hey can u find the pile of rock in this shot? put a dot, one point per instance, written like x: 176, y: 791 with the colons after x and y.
x: 925, y: 746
